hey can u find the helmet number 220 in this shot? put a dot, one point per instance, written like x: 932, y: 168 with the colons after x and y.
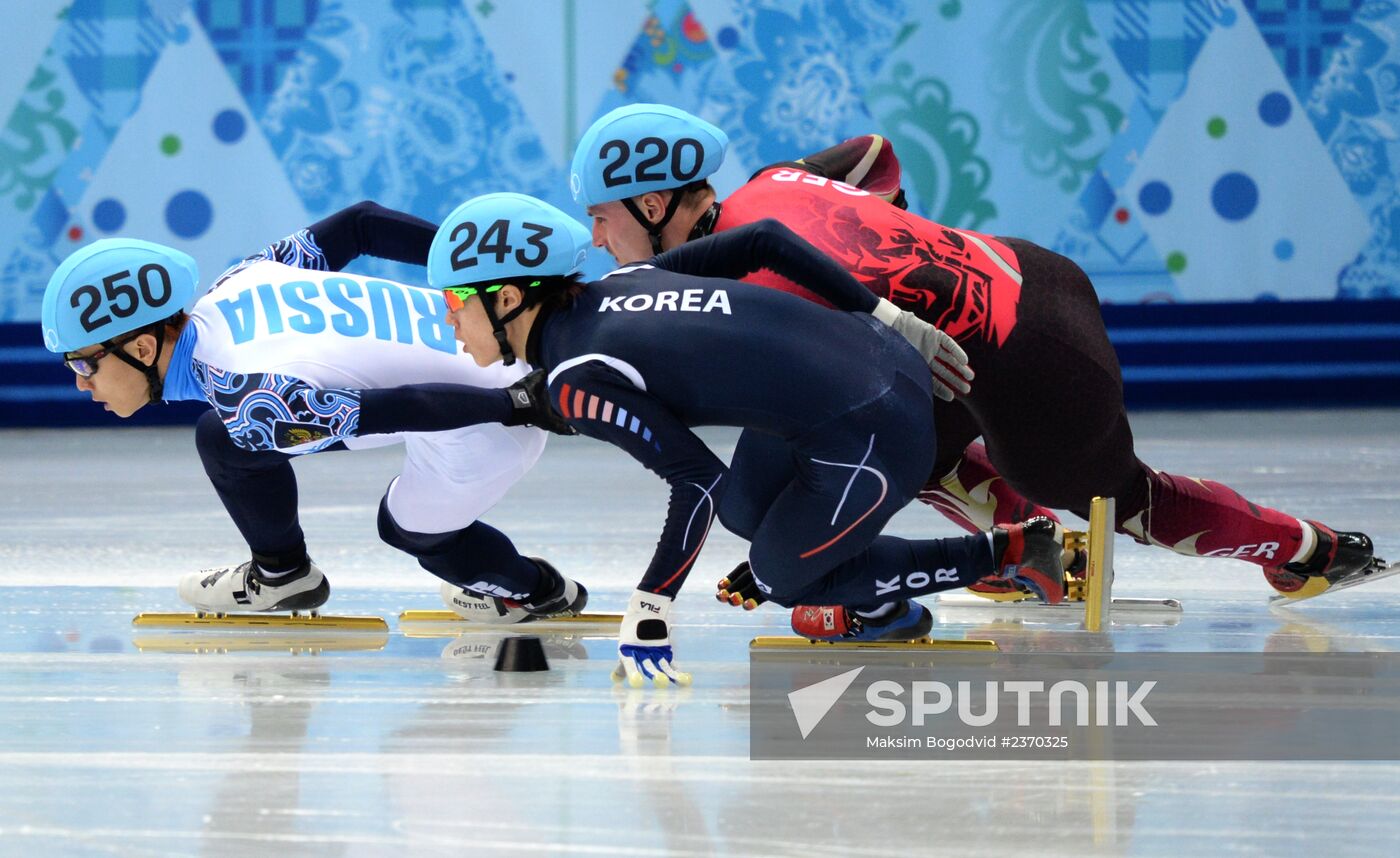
x: 654, y: 150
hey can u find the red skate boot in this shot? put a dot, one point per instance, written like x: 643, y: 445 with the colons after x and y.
x: 906, y: 621
x: 1029, y: 555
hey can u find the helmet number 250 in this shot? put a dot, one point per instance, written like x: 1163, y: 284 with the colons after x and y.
x: 655, y: 150
x: 495, y: 241
x: 122, y: 298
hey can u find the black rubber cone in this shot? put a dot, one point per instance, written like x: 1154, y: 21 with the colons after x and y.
x: 521, y: 654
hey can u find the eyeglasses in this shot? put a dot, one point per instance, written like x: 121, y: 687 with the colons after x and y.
x: 86, y: 365
x: 457, y: 295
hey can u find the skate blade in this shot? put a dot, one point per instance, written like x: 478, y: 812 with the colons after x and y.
x: 261, y: 622
x: 293, y: 641
x: 1378, y: 571
x: 458, y: 619
x: 968, y: 600
x: 793, y: 642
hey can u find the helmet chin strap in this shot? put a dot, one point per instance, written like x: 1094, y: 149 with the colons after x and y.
x: 154, y: 384
x: 654, y: 229
x: 498, y: 327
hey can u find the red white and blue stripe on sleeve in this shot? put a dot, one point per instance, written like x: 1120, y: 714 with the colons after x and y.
x: 607, y: 400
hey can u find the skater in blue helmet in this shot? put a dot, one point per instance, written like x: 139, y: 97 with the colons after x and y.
x: 642, y: 356
x: 283, y: 348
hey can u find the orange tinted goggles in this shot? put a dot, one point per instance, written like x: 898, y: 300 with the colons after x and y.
x: 457, y: 295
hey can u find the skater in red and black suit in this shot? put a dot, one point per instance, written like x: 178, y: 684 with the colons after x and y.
x: 1028, y: 319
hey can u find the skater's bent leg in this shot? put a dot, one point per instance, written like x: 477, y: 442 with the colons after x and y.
x: 820, y: 541
x: 449, y: 480
x: 259, y: 490
x: 891, y: 569
x: 1203, y: 518
x: 761, y: 468
x: 976, y: 498
x: 477, y: 557
x: 1195, y: 517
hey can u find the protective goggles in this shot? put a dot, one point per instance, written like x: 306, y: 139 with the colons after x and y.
x: 457, y: 295
x: 86, y: 365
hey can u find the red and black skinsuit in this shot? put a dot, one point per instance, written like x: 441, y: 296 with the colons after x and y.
x: 1047, y: 401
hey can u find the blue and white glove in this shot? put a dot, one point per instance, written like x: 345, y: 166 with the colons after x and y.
x: 644, y: 643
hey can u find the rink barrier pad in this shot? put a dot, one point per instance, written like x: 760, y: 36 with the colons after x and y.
x: 792, y: 642
x: 261, y: 622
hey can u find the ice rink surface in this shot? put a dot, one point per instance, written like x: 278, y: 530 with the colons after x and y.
x: 116, y: 741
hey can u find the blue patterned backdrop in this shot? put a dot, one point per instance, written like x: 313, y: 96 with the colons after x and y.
x: 1182, y: 151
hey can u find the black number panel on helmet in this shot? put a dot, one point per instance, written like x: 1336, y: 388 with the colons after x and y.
x: 685, y: 158
x: 120, y: 297
x: 495, y: 242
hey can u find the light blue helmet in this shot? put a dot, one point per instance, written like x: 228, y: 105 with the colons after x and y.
x: 112, y: 287
x: 499, y: 237
x: 502, y: 236
x: 641, y: 148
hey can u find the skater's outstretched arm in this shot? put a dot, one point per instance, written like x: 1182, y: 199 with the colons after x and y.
x: 369, y: 229
x: 768, y: 244
x: 270, y: 411
x: 603, y: 403
x: 364, y: 229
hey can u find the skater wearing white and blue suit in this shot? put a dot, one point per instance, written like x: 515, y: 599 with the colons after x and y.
x: 286, y: 349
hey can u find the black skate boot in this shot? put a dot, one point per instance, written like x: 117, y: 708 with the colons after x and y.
x: 1340, y: 558
x: 567, y: 598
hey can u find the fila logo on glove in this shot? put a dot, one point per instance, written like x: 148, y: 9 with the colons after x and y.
x: 684, y: 301
x: 915, y: 581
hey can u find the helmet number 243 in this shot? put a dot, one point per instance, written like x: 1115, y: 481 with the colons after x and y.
x: 495, y: 241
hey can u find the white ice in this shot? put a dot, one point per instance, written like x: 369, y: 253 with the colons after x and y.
x: 414, y: 746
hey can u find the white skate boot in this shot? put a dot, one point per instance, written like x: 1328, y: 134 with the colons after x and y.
x: 231, y: 589
x: 568, y: 600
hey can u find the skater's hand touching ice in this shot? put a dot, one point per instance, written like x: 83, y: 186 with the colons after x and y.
x: 644, y: 643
